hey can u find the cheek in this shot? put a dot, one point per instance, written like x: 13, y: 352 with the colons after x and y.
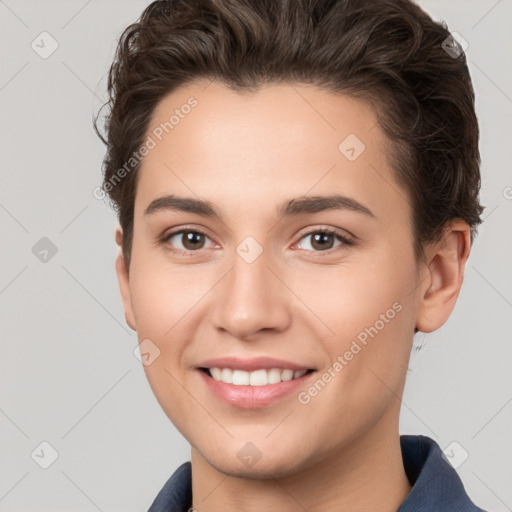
x: 371, y: 319
x: 163, y: 295
x: 162, y: 305
x: 352, y: 296
x: 166, y: 302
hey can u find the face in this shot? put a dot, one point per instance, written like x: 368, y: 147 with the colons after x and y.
x: 293, y: 252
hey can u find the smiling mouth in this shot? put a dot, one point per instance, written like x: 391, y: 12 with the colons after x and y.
x: 260, y: 377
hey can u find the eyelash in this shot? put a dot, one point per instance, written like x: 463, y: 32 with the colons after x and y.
x: 345, y: 241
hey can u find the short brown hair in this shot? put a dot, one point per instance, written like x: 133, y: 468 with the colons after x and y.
x: 389, y: 52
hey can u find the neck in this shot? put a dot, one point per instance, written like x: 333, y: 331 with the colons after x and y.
x: 368, y: 474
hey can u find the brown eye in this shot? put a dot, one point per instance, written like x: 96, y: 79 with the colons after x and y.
x: 186, y: 240
x: 323, y: 240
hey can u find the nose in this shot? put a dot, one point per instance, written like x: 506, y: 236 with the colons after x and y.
x: 251, y: 299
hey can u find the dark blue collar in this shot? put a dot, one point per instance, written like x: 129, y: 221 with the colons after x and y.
x: 436, y: 485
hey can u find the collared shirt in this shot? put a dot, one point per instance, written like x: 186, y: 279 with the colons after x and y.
x: 436, y: 486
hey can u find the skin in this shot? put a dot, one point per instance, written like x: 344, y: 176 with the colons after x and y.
x: 248, y: 153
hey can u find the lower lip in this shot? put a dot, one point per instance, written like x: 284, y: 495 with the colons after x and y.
x: 252, y: 397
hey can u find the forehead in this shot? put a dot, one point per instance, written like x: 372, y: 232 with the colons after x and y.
x: 280, y: 141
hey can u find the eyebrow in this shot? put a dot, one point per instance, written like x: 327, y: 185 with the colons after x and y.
x: 297, y: 206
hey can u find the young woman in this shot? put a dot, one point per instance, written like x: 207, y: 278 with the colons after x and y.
x: 297, y: 188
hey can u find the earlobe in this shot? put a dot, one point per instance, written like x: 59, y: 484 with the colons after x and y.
x: 445, y: 265
x: 124, y: 282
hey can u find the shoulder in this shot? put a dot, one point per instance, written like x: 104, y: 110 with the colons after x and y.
x: 436, y: 486
x: 176, y: 494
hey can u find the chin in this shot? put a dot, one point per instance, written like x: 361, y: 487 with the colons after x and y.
x: 262, y: 470
x: 247, y: 461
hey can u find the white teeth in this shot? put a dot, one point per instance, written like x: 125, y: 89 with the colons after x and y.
x: 287, y: 375
x: 256, y: 378
x: 226, y: 375
x: 274, y: 376
x: 299, y: 373
x: 216, y: 373
x: 240, y: 378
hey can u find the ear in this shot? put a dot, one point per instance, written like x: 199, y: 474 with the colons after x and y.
x: 124, y: 281
x: 444, y: 272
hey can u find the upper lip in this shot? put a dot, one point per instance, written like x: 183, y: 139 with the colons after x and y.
x: 249, y: 365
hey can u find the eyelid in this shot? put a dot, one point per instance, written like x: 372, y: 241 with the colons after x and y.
x: 342, y: 233
x: 346, y: 239
x: 182, y: 229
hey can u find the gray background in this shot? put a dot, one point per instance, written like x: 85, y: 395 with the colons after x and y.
x: 68, y: 373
